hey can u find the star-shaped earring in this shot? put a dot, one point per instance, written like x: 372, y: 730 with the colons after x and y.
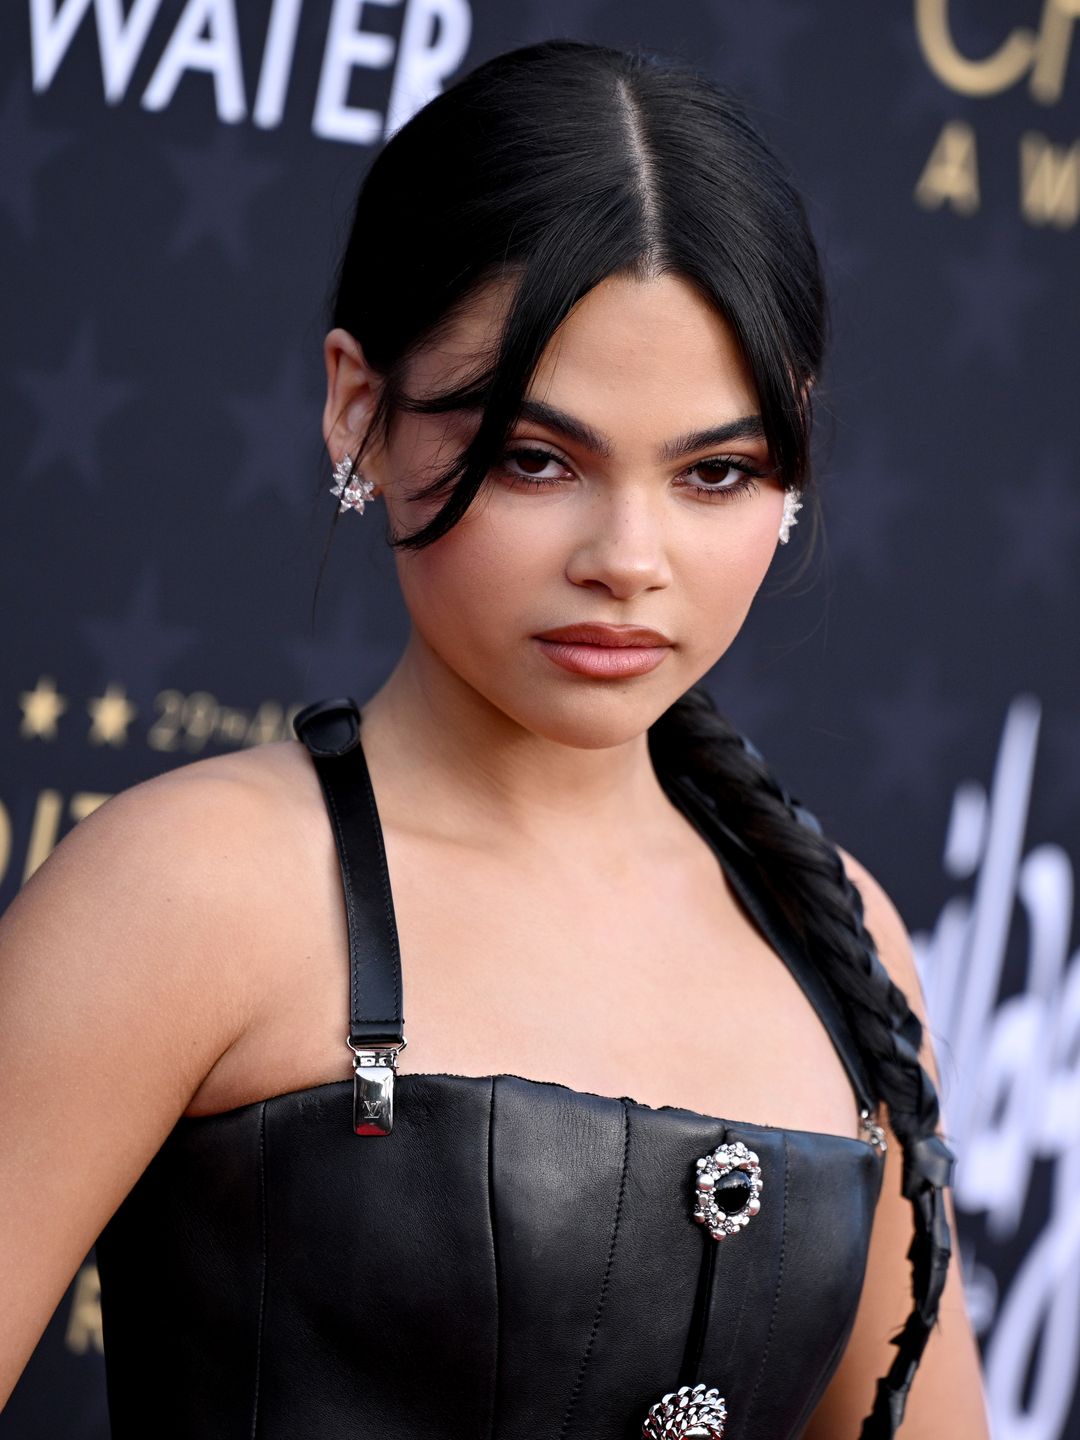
x: 354, y: 489
x: 792, y: 505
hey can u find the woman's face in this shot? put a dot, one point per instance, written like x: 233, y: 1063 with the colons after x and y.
x: 612, y: 506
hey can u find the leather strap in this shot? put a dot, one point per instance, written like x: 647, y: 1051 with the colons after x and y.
x: 331, y: 731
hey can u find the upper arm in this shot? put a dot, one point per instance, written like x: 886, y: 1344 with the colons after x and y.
x: 117, y: 996
x: 948, y: 1381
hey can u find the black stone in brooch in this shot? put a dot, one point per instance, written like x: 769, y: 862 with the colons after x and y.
x: 727, y: 1193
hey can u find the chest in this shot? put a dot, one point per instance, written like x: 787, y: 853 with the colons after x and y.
x: 648, y: 980
x: 653, y: 982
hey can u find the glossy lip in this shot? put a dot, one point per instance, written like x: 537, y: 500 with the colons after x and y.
x: 605, y: 652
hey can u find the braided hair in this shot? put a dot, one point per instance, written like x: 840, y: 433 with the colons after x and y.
x: 805, y: 875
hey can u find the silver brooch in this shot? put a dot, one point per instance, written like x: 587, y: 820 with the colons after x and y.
x: 688, y: 1411
x: 727, y: 1190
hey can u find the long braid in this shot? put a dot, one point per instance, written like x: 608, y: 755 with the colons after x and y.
x: 805, y: 875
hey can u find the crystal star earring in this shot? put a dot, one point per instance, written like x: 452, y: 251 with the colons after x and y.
x: 792, y: 505
x: 353, y: 489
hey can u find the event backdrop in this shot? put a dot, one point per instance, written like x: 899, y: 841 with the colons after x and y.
x: 175, y: 180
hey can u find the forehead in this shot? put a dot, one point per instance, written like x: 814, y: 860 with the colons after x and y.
x: 652, y: 351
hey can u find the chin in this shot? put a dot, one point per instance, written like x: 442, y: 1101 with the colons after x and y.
x: 593, y: 722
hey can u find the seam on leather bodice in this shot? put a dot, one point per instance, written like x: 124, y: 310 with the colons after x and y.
x: 580, y: 1380
x: 493, y: 1228
x: 264, y: 1266
x: 779, y: 1281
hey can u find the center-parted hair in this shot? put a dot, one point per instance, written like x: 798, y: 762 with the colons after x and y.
x: 546, y: 170
x: 550, y: 168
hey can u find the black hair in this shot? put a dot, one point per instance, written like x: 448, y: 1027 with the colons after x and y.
x: 550, y: 168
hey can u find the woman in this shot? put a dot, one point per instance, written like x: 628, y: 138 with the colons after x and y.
x: 573, y: 351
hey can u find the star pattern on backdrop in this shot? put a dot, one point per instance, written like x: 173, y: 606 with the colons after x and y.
x: 281, y: 434
x: 70, y: 406
x: 111, y: 716
x: 219, y: 181
x: 41, y: 709
x: 755, y: 47
x: 913, y: 728
x: 864, y: 499
x: 1040, y: 526
x: 347, y: 654
x: 137, y: 648
x: 26, y: 147
x: 993, y: 293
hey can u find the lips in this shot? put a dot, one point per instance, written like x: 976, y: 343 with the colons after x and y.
x: 612, y: 636
x: 605, y: 652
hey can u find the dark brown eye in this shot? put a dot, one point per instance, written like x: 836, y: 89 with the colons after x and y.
x: 531, y: 460
x: 527, y: 464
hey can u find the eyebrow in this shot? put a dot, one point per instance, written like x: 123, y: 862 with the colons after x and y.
x: 746, y: 427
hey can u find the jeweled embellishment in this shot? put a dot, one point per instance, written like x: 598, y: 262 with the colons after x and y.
x: 352, y: 489
x: 692, y: 1410
x: 727, y: 1191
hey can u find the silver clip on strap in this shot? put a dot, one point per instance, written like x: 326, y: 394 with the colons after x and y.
x: 875, y: 1133
x: 374, y: 1066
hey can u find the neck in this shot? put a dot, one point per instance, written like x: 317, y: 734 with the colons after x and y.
x: 440, y: 739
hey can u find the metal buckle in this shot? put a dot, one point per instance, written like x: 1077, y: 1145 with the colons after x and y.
x: 374, y: 1066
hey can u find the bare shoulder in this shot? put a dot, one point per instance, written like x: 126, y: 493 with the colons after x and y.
x: 126, y: 971
x: 163, y: 881
x: 175, y: 835
x: 207, y: 820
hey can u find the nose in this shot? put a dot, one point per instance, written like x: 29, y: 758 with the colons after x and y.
x: 622, y: 547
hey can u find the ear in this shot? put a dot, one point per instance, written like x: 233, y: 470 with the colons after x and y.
x: 352, y: 389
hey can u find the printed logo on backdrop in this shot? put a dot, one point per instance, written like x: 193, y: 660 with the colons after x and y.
x: 1011, y: 1042
x: 1048, y: 170
x: 205, y: 40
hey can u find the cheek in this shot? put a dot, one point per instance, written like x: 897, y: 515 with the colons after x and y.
x: 478, y: 585
x: 721, y: 578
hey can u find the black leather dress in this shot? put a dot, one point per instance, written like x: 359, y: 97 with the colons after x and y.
x: 513, y: 1260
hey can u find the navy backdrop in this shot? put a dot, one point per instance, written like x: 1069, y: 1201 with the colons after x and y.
x: 175, y: 180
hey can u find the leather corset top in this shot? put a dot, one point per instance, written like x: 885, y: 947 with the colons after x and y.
x: 513, y: 1260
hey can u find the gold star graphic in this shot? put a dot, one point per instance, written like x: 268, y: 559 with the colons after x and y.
x: 112, y: 714
x: 41, y: 708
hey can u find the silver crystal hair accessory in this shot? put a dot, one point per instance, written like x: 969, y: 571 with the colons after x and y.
x: 353, y: 489
x: 689, y: 1411
x: 792, y: 505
